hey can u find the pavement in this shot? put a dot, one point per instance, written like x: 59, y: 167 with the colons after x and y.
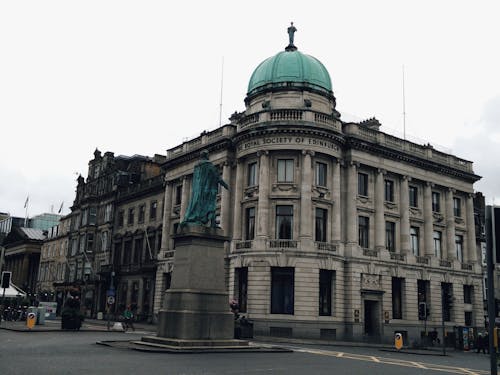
x: 88, y: 325
x: 94, y: 325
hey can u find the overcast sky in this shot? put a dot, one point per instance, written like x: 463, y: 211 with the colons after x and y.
x: 139, y: 77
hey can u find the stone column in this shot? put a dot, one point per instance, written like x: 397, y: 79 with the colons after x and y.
x: 225, y: 208
x: 306, y: 221
x: 450, y: 226
x: 263, y: 205
x: 471, y: 253
x: 379, y: 211
x: 351, y: 212
x: 238, y: 196
x: 405, y: 216
x: 428, y: 220
x: 186, y: 189
x: 167, y: 211
x: 336, y: 228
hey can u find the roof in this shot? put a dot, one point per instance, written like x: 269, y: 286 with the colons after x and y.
x: 33, y: 234
x: 290, y: 66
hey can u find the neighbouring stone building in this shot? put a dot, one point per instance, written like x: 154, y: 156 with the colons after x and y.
x: 53, y: 272
x: 92, y: 221
x: 22, y: 257
x: 337, y: 229
x: 136, y: 243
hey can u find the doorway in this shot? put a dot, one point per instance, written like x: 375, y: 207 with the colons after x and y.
x: 372, y: 320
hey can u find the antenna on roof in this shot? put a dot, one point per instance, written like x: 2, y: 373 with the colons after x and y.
x: 221, y: 87
x: 404, y: 105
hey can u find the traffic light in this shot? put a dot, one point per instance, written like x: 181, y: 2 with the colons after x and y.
x: 422, y: 311
x: 447, y: 300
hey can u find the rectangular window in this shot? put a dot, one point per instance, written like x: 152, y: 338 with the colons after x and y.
x: 363, y: 228
x: 82, y: 243
x: 252, y: 174
x: 415, y: 240
x: 437, y: 243
x: 90, y: 242
x: 447, y: 300
x: 241, y: 281
x: 152, y: 210
x: 321, y: 221
x: 138, y: 245
x: 131, y: 212
x: 468, y: 293
x: 397, y: 298
x: 457, y: 209
x: 459, y: 247
x: 389, y: 190
x: 142, y: 213
x: 178, y: 195
x: 104, y: 241
x: 325, y: 292
x: 468, y: 318
x: 436, y: 206
x: 108, y: 212
x: 363, y: 184
x: 127, y: 252
x: 285, y: 170
x: 250, y: 224
x: 120, y: 218
x: 84, y: 217
x: 282, y: 290
x: 92, y: 215
x: 284, y: 222
x: 390, y: 236
x: 321, y: 174
x: 423, y: 287
x: 413, y: 192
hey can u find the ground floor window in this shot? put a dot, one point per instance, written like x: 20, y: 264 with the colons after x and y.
x: 241, y: 286
x: 397, y: 298
x: 282, y: 290
x: 326, y: 279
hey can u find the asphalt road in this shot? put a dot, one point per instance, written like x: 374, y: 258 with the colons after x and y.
x: 76, y: 353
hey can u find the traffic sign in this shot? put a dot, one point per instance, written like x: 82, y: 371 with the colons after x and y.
x: 111, y: 300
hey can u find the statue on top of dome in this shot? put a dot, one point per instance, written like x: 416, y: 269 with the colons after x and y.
x: 291, y: 31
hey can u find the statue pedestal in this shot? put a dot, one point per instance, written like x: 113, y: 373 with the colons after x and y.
x: 196, y: 307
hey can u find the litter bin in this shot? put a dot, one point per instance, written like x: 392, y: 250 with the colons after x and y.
x: 40, y: 316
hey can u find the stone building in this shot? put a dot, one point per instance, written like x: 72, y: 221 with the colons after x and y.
x: 22, y: 257
x: 337, y: 229
x: 92, y: 219
x: 136, y: 243
x: 53, y: 271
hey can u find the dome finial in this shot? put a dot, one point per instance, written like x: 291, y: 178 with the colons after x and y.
x: 291, y: 31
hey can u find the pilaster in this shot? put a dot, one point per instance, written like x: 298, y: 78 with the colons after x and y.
x: 238, y: 195
x: 379, y: 211
x: 306, y: 220
x: 405, y: 216
x: 428, y: 220
x: 263, y: 206
x: 450, y: 226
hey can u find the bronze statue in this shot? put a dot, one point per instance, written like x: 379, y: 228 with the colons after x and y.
x: 202, y: 206
x: 291, y: 30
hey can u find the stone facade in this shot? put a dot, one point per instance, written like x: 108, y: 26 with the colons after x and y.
x: 54, y: 270
x: 338, y: 230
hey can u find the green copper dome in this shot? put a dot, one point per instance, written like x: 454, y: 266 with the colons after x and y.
x: 290, y: 67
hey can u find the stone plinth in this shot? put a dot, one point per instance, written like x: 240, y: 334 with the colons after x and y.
x: 196, y: 307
